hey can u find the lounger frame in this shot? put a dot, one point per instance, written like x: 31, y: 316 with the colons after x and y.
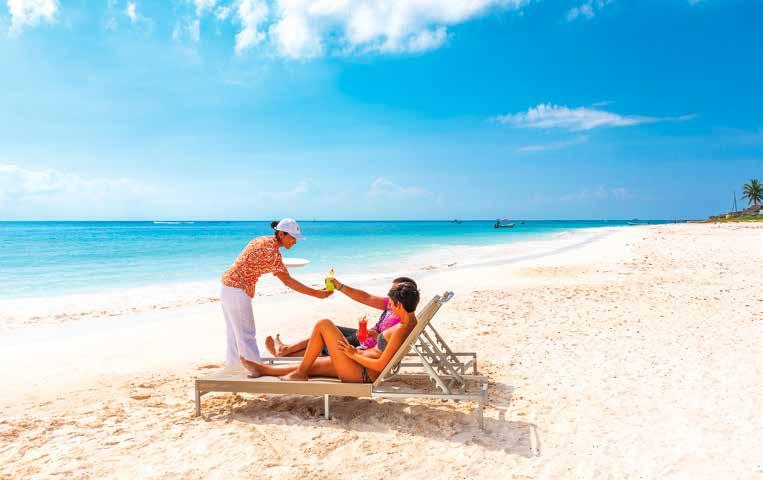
x: 425, y: 354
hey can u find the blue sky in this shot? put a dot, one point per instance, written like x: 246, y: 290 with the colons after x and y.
x: 360, y: 109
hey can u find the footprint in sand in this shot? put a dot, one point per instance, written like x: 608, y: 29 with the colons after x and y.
x: 209, y: 365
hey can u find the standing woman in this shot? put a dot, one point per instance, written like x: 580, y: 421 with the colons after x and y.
x: 261, y: 256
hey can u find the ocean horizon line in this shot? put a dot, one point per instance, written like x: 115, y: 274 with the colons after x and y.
x: 154, y: 220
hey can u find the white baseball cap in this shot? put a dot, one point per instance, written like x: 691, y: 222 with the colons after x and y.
x: 290, y: 226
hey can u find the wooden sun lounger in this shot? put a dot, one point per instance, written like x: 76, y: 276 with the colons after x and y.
x: 452, y: 375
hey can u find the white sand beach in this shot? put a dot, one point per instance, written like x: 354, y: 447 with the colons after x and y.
x: 636, y: 353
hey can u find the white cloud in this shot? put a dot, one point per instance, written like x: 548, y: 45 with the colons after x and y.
x: 29, y: 13
x: 311, y: 28
x: 306, y: 28
x: 589, y: 8
x: 222, y: 13
x: 578, y: 119
x: 131, y: 12
x: 552, y: 146
x: 194, y: 29
x: 41, y: 192
x: 204, y: 5
x: 189, y: 26
x: 251, y: 15
x: 382, y: 187
x: 586, y: 9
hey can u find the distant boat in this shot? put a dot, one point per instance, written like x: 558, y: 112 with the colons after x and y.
x: 457, y: 221
x: 499, y: 224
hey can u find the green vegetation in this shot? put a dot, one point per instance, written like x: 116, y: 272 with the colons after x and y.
x: 744, y: 218
x: 753, y: 192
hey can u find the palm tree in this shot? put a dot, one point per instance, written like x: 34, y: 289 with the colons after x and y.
x: 753, y: 192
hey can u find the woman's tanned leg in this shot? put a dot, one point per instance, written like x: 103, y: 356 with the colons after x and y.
x: 337, y: 365
x: 326, y: 334
x: 323, y: 367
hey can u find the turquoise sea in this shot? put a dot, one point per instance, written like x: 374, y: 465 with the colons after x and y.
x: 54, y: 258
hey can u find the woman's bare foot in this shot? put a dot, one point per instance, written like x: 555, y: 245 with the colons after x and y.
x: 281, y: 348
x: 270, y: 344
x: 295, y: 376
x: 252, y: 367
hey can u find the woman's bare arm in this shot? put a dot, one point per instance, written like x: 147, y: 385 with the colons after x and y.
x: 360, y: 296
x: 300, y: 287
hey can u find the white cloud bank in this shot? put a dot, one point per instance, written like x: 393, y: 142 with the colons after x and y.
x: 26, y: 193
x: 301, y: 29
x: 30, y: 13
x: 550, y: 116
x: 383, y: 188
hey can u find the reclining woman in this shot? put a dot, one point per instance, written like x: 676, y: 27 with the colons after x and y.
x: 346, y: 362
x: 387, y: 320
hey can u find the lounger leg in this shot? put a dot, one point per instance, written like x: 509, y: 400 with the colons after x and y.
x: 327, y: 407
x: 198, y: 402
x: 481, y: 406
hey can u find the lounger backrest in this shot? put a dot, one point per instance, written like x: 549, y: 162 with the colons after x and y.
x: 422, y: 319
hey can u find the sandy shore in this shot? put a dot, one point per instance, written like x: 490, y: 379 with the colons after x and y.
x: 636, y: 354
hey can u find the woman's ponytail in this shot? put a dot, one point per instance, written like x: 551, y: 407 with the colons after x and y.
x: 273, y: 225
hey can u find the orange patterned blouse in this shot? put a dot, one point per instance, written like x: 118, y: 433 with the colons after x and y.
x: 261, y: 256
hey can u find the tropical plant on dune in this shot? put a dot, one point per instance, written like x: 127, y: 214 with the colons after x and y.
x: 753, y: 192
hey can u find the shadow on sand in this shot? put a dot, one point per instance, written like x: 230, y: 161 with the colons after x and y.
x: 434, y: 419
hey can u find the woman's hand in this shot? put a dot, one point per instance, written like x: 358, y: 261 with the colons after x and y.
x: 345, y: 347
x: 322, y: 293
x: 337, y: 283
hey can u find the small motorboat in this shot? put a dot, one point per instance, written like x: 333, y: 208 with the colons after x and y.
x: 500, y: 224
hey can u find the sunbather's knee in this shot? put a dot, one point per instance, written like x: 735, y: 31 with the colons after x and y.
x: 323, y: 323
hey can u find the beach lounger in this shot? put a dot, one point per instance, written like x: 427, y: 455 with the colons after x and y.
x: 423, y: 354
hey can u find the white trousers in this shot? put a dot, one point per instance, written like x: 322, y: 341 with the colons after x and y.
x: 239, y: 321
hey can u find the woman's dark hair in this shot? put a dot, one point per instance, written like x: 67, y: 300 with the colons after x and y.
x: 405, y: 280
x: 405, y: 293
x: 273, y: 225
